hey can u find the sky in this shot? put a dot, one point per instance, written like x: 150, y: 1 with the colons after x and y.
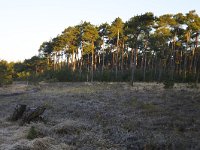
x: 26, y: 24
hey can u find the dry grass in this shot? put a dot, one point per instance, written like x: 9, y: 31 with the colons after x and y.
x: 103, y: 116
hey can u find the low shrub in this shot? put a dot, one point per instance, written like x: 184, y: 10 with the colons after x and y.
x: 32, y: 133
x: 168, y: 84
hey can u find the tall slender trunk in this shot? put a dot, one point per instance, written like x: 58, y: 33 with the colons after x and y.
x: 185, y: 58
x: 191, y: 60
x: 155, y: 67
x: 198, y: 68
x: 81, y: 60
x: 113, y: 60
x: 134, y: 51
x: 152, y: 67
x: 142, y: 62
x: 99, y: 61
x: 73, y: 60
x: 197, y: 78
x: 181, y: 60
x: 88, y: 67
x: 95, y: 62
x: 54, y: 62
x: 132, y: 59
x: 145, y: 64
x: 68, y: 61
x: 103, y: 58
x: 57, y: 61
x: 116, y: 66
x: 132, y: 66
x: 117, y: 57
x: 61, y: 60
x: 48, y: 61
x: 185, y: 66
x: 122, y: 55
x: 172, y: 59
x: 160, y: 70
x: 195, y: 54
x: 136, y: 57
x: 92, y: 65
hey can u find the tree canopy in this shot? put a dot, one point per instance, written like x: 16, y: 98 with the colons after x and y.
x: 144, y: 48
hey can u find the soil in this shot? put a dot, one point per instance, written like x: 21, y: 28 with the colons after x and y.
x: 114, y: 116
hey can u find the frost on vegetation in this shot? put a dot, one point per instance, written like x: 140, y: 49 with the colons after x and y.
x: 45, y: 143
x: 70, y: 127
x: 110, y: 116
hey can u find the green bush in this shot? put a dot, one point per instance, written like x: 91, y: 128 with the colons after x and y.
x: 107, y: 75
x: 5, y: 73
x: 32, y: 133
x: 168, y: 84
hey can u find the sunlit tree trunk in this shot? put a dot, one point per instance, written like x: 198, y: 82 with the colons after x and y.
x: 198, y: 69
x: 54, y: 62
x: 122, y: 56
x: 185, y: 56
x: 172, y: 58
x: 103, y: 59
x: 185, y: 65
x: 95, y: 61
x: 92, y: 65
x: 181, y: 61
x: 88, y: 67
x: 134, y: 51
x: 73, y: 61
x: 145, y: 64
x: 117, y: 57
x: 196, y: 53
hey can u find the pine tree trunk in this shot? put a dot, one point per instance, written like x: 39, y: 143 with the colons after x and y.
x: 155, y: 67
x: 88, y: 67
x: 73, y: 61
x: 181, y: 60
x: 117, y: 57
x: 133, y: 65
x: 185, y: 66
x: 116, y: 65
x: 113, y: 60
x: 160, y: 70
x: 198, y: 69
x: 103, y: 63
x: 195, y: 53
x: 92, y: 65
x: 95, y: 61
x: 103, y: 57
x: 54, y: 62
x: 122, y: 56
x: 145, y: 64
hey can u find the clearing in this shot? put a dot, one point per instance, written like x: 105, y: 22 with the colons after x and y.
x: 102, y: 116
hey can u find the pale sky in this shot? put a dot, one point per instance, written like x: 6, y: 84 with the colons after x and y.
x: 25, y: 24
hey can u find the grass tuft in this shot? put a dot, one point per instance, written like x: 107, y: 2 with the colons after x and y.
x: 32, y: 133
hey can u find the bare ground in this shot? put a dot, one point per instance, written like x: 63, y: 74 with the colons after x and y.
x: 103, y: 116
